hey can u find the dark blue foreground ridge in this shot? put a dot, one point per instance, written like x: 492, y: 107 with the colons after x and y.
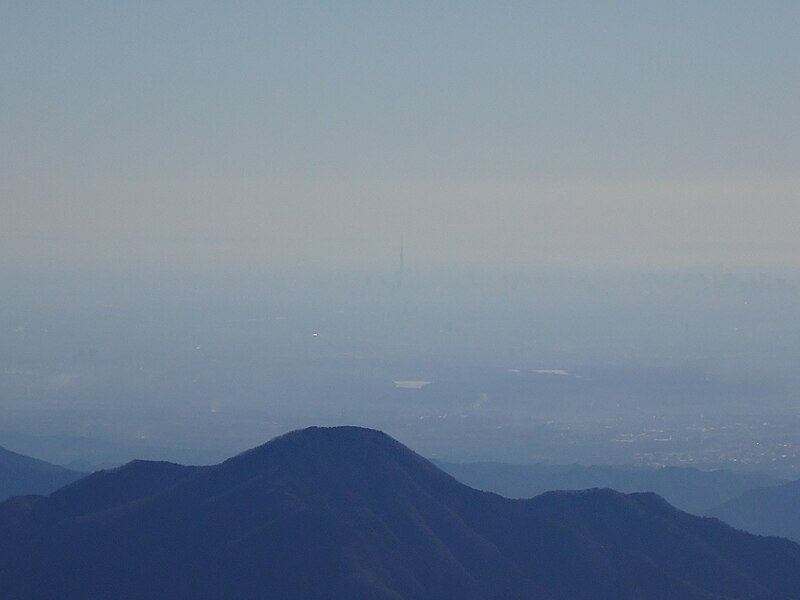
x: 348, y: 512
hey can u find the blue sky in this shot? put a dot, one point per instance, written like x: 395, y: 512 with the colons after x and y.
x: 495, y: 134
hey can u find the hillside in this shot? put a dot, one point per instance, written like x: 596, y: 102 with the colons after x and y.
x: 766, y: 511
x: 20, y: 475
x: 689, y: 489
x: 350, y: 513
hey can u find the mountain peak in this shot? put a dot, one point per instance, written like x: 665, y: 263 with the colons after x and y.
x: 348, y: 512
x: 328, y: 445
x: 343, y: 458
x: 340, y: 435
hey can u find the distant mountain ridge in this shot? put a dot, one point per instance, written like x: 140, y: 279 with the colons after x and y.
x: 687, y: 488
x: 20, y: 475
x: 765, y: 511
x: 350, y: 513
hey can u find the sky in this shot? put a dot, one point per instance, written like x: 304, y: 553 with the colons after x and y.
x: 246, y: 135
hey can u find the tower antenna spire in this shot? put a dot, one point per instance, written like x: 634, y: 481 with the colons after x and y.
x: 402, y: 262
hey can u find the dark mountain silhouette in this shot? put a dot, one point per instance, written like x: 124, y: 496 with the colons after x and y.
x: 686, y: 488
x: 349, y: 513
x: 25, y: 475
x: 766, y: 511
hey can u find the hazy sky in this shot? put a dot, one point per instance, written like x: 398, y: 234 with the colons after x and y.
x: 219, y: 134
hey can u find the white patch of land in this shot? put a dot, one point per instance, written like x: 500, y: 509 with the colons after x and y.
x: 411, y: 384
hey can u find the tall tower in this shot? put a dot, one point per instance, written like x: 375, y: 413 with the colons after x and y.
x: 401, y: 266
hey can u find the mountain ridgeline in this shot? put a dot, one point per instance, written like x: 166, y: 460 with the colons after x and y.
x: 25, y: 475
x: 773, y: 510
x: 350, y: 513
x: 687, y: 488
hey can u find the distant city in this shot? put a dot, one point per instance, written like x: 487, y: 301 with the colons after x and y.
x: 647, y: 369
